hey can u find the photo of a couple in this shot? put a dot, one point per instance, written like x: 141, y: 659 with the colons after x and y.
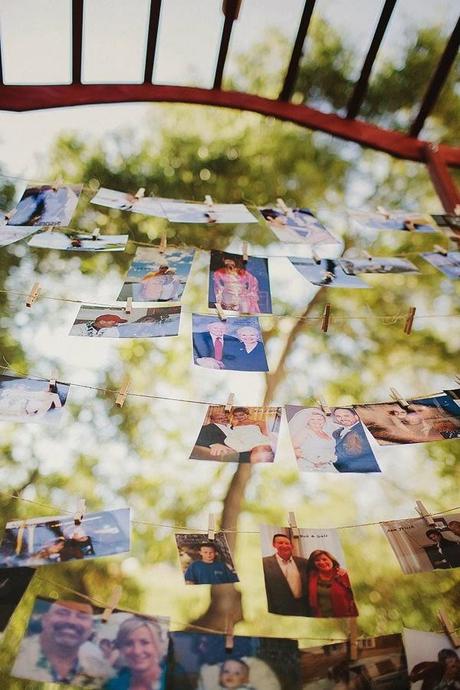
x: 432, y: 661
x: 46, y: 205
x: 329, y: 443
x: 234, y: 344
x: 297, y: 226
x: 156, y: 276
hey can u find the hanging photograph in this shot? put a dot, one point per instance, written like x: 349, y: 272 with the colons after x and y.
x: 124, y: 201
x: 425, y: 544
x: 234, y: 344
x: 335, y: 442
x: 30, y: 400
x: 432, y: 661
x: 436, y: 418
x: 46, y: 205
x: 177, y: 211
x: 156, y: 276
x: 394, y: 220
x: 449, y: 263
x: 51, y: 540
x: 306, y: 575
x: 10, y: 234
x: 206, y: 561
x: 449, y: 223
x: 13, y: 584
x: 378, y: 264
x: 238, y: 285
x: 71, y: 240
x: 380, y: 664
x: 200, y: 662
x: 67, y: 642
x: 115, y: 322
x: 326, y: 273
x: 238, y: 434
x: 298, y: 226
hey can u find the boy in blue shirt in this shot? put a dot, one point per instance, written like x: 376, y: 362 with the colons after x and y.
x: 209, y: 570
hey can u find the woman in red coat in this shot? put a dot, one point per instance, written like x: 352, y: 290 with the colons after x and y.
x: 329, y: 589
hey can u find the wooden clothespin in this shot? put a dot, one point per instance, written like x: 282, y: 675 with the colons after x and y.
x: 33, y: 294
x: 20, y: 537
x: 423, y: 512
x: 326, y: 318
x: 325, y: 408
x: 123, y: 392
x: 95, y: 233
x: 211, y: 526
x: 353, y: 638
x: 397, y: 397
x: 52, y: 384
x: 220, y: 312
x: 440, y: 250
x: 230, y: 402
x: 245, y: 251
x: 293, y: 526
x: 163, y: 243
x: 56, y: 184
x: 316, y: 258
x: 81, y: 510
x: 366, y: 255
x: 112, y: 603
x: 129, y: 305
x: 383, y: 211
x: 282, y: 206
x: 49, y: 228
x: 409, y: 320
x: 140, y: 193
x: 208, y: 201
x: 229, y: 634
x: 449, y: 628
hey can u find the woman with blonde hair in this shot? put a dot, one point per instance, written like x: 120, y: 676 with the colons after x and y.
x: 314, y: 447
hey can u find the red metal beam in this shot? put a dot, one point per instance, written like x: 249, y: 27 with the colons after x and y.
x: 23, y: 98
x: 442, y: 181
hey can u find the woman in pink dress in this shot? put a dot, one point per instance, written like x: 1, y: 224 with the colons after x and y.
x: 236, y: 288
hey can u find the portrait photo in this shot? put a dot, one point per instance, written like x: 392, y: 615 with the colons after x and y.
x: 29, y: 400
x: 13, y: 584
x: 432, y: 661
x: 115, y: 322
x: 238, y: 285
x: 449, y: 263
x: 204, y: 561
x: 46, y: 205
x: 78, y: 242
x: 125, y: 201
x: 436, y: 418
x: 51, y: 540
x: 394, y: 220
x: 335, y: 442
x: 326, y: 273
x: 381, y: 664
x: 156, y: 276
x: 201, y: 662
x: 10, y: 234
x: 177, y: 211
x: 298, y: 226
x: 421, y: 546
x: 378, y: 264
x: 67, y: 642
x: 234, y: 344
x: 238, y: 434
x: 306, y: 575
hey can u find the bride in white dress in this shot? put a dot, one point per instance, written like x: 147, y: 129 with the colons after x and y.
x: 313, y: 443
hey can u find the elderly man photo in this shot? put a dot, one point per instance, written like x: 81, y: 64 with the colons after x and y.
x: 352, y: 449
x: 286, y: 579
x: 213, y: 348
x: 210, y: 444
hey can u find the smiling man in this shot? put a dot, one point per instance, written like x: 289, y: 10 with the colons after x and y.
x: 285, y: 579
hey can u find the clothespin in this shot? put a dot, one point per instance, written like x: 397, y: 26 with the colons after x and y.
x: 245, y: 251
x: 58, y: 183
x: 123, y: 392
x: 440, y: 250
x: 229, y: 634
x: 112, y: 603
x: 49, y: 228
x: 409, y: 321
x: 220, y: 312
x: 129, y: 305
x: 367, y: 255
x: 52, y: 388
x: 208, y: 201
x: 230, y: 402
x: 383, y: 211
x: 81, y: 510
x: 95, y: 233
x: 211, y: 527
x: 140, y: 193
x: 163, y: 243
x: 423, y: 512
x: 282, y: 206
x: 316, y: 258
x: 353, y: 638
x: 293, y: 526
x: 397, y: 397
x: 33, y: 294
x: 20, y: 537
x: 449, y: 628
x: 325, y: 408
x: 326, y: 318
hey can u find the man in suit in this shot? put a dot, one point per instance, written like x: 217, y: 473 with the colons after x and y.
x: 443, y: 553
x: 214, y: 349
x: 353, y: 451
x: 210, y: 444
x: 286, y: 579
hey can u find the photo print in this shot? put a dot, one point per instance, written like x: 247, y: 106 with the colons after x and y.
x: 115, y: 322
x: 71, y: 240
x: 306, y: 576
x: 51, y: 540
x: 449, y: 222
x: 394, y: 220
x: 435, y: 418
x: 29, y: 400
x: 177, y: 211
x: 124, y: 201
x: 205, y: 561
x: 422, y: 545
x: 67, y: 642
x: 239, y: 434
x: 10, y: 234
x: 46, y: 205
x: 157, y: 276
x: 201, y: 662
x: 297, y: 226
x: 432, y: 661
x: 326, y: 273
x: 234, y: 344
x: 13, y: 584
x: 238, y: 285
x: 381, y: 664
x: 335, y: 442
x: 378, y: 264
x: 448, y: 263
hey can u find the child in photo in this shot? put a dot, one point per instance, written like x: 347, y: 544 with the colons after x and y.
x: 234, y: 674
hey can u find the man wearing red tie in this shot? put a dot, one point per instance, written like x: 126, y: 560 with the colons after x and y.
x: 214, y: 349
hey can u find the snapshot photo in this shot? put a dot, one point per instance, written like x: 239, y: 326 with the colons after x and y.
x: 46, y: 205
x: 421, y: 547
x: 238, y: 285
x: 381, y: 664
x: 78, y: 242
x: 335, y: 442
x: 51, y: 540
x: 124, y: 201
x: 204, y: 561
x: 378, y: 264
x: 298, y: 226
x: 114, y: 322
x: 10, y: 234
x: 394, y: 220
x: 30, y: 400
x: 326, y: 273
x: 13, y: 584
x: 436, y: 418
x: 201, y: 662
x: 449, y: 263
x: 449, y: 223
x: 432, y: 661
x: 234, y: 344
x: 194, y: 212
x: 67, y: 642
x: 156, y: 276
x: 306, y: 575
x: 239, y: 434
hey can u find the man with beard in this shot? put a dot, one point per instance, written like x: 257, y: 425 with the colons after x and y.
x: 61, y: 653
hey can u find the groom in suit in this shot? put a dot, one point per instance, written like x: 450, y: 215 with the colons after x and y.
x: 353, y: 450
x: 286, y: 579
x: 214, y: 349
